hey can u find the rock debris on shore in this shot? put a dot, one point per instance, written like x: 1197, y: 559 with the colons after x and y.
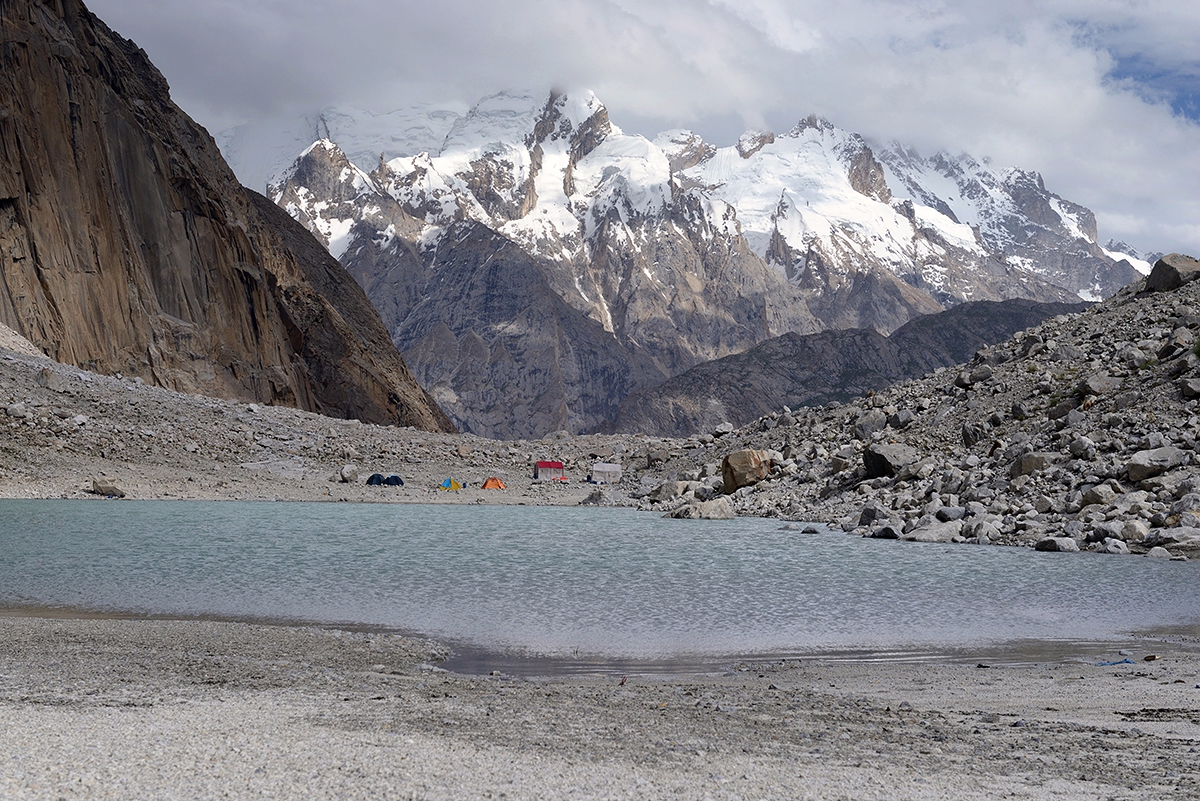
x: 1077, y: 434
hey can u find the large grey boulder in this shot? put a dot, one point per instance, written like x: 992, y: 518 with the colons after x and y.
x: 1029, y: 463
x: 1183, y: 537
x: 1171, y: 272
x: 937, y: 532
x: 716, y: 509
x: 888, y: 459
x: 868, y: 423
x: 106, y: 487
x: 1147, y: 464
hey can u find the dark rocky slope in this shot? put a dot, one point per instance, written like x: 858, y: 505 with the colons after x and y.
x: 832, y: 366
x: 127, y: 245
x: 1081, y: 433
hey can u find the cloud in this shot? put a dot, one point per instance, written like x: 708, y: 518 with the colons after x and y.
x: 1098, y: 95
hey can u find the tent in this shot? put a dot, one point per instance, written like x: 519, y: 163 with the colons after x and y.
x: 394, y: 481
x: 605, y: 473
x: 549, y: 471
x: 449, y: 484
x: 376, y: 480
x: 494, y: 483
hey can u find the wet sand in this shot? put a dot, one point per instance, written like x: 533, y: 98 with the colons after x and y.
x: 112, y: 708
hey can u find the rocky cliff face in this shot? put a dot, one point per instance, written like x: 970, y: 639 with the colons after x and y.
x: 832, y: 366
x: 684, y: 251
x: 127, y: 245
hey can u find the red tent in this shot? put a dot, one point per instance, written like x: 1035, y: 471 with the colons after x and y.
x: 549, y: 471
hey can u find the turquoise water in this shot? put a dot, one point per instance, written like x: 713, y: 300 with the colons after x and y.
x: 571, y: 581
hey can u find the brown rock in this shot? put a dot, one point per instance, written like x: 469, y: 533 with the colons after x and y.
x: 744, y: 468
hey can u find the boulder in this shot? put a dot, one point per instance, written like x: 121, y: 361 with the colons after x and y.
x: 937, y: 532
x: 1099, y: 384
x: 1158, y: 552
x: 348, y: 474
x: 1115, y: 547
x: 18, y: 410
x: 1102, y: 494
x: 1134, y: 531
x: 1190, y: 387
x: 667, y: 491
x: 723, y: 429
x: 52, y: 380
x: 716, y: 509
x: 868, y: 423
x: 902, y: 419
x: 972, y: 433
x: 842, y: 460
x: 1171, y: 272
x: 1179, y: 536
x: 106, y: 487
x: 1029, y: 463
x: 1061, y: 544
x: 1150, y: 463
x: 949, y: 513
x: 744, y: 468
x: 887, y: 459
x: 980, y: 374
x: 886, y: 532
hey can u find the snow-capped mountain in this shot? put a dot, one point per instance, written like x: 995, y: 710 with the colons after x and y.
x: 676, y: 250
x: 260, y: 150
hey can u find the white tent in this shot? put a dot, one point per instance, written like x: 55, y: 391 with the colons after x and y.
x: 605, y: 473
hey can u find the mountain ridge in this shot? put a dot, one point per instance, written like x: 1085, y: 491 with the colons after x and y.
x: 127, y: 245
x: 691, y: 252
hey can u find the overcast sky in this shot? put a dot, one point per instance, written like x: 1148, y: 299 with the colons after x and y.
x: 1100, y: 96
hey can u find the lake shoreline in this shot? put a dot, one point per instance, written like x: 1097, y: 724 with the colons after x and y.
x: 119, y: 708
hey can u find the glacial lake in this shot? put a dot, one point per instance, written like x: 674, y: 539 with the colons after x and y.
x: 592, y: 585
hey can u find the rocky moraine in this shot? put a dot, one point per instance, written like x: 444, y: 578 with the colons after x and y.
x: 1077, y: 434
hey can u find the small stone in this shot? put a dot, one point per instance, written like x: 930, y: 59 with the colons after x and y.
x: 18, y: 410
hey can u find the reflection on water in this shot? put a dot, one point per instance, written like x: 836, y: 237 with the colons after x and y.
x: 581, y: 585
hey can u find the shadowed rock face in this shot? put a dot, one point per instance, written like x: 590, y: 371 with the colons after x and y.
x: 127, y: 245
x: 832, y: 366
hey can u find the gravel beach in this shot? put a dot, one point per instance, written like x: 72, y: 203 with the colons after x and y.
x: 104, y: 708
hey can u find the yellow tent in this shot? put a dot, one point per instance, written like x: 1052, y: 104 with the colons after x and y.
x: 494, y: 483
x: 450, y: 484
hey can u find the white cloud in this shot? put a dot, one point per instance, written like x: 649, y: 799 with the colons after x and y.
x: 1026, y: 83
